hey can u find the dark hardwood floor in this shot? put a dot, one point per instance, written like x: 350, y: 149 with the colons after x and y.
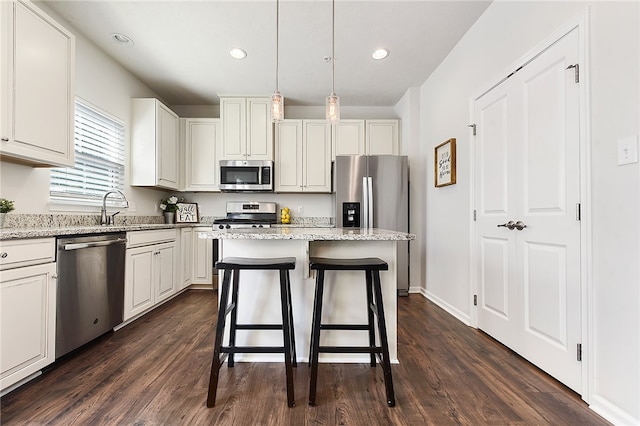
x: 155, y: 372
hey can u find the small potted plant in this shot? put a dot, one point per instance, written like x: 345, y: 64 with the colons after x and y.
x: 5, y: 207
x: 169, y: 207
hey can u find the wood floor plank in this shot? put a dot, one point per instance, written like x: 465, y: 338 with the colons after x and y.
x: 155, y: 371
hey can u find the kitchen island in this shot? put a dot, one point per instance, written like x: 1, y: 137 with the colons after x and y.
x: 345, y: 296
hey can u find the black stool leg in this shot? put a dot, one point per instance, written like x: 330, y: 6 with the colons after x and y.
x: 234, y: 316
x: 370, y: 319
x: 286, y: 330
x: 313, y: 316
x: 217, y: 345
x: 315, y: 333
x: 382, y: 326
x: 293, y: 334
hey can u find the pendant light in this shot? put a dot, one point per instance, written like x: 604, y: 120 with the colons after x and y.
x: 277, y: 100
x: 333, y: 101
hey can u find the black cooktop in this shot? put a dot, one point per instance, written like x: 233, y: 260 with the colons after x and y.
x: 248, y: 221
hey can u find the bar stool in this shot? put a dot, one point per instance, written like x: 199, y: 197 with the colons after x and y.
x: 232, y: 267
x: 371, y: 267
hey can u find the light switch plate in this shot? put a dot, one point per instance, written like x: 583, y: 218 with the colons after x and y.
x: 628, y: 150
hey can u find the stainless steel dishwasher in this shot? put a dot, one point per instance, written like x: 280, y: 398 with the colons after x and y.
x: 90, y: 299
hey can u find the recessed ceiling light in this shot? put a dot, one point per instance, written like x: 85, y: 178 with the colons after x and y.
x: 380, y: 54
x: 237, y: 53
x: 122, y: 39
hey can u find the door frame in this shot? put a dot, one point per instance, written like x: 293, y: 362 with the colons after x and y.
x: 581, y: 24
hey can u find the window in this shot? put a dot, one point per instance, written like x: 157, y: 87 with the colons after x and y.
x: 99, y: 160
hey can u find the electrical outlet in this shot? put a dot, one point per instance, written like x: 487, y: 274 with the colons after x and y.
x: 300, y: 209
x: 628, y: 150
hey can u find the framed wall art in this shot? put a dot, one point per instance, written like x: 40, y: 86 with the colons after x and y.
x: 187, y: 213
x: 445, y: 163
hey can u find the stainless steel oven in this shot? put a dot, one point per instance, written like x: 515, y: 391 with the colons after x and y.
x: 246, y: 175
x: 247, y: 214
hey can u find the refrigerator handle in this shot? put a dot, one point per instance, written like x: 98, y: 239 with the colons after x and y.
x: 364, y: 214
x: 370, y: 204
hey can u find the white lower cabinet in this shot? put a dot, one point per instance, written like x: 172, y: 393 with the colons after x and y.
x: 202, y: 270
x: 186, y: 257
x: 151, y: 270
x: 27, y: 308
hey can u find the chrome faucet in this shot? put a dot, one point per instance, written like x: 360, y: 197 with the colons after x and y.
x: 104, y: 220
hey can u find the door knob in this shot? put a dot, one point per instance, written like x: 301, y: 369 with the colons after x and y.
x: 511, y: 224
x: 519, y: 225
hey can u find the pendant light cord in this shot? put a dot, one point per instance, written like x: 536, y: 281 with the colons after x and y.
x: 277, y: 40
x: 333, y: 47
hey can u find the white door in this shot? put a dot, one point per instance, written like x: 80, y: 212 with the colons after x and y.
x: 527, y: 171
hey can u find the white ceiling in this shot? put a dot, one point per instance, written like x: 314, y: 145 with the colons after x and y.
x: 181, y: 47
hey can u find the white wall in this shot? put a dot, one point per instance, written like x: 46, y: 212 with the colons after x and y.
x: 502, y: 35
x: 408, y: 109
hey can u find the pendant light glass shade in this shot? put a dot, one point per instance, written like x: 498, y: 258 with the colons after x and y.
x: 277, y: 107
x: 277, y: 100
x: 333, y: 101
x: 333, y: 108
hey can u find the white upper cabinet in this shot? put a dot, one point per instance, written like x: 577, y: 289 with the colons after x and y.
x: 381, y: 137
x: 154, y: 144
x: 247, y: 130
x: 348, y: 138
x: 202, y: 153
x: 288, y: 164
x: 303, y: 156
x: 366, y: 137
x: 37, y: 75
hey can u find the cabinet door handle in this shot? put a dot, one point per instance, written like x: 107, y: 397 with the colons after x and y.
x: 4, y: 255
x: 5, y: 139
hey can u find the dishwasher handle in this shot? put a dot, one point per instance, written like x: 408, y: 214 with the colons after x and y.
x: 77, y: 246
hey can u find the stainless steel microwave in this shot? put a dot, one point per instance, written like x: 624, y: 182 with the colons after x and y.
x: 246, y: 175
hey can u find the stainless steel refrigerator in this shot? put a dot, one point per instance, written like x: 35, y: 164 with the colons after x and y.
x: 373, y: 192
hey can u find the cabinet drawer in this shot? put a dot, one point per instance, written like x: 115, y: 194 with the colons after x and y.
x: 18, y: 253
x: 144, y: 238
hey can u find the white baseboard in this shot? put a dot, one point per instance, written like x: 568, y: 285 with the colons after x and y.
x: 611, y: 412
x: 464, y: 318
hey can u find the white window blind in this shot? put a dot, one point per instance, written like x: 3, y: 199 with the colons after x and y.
x: 99, y: 160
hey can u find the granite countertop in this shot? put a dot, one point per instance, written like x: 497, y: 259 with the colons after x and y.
x: 310, y: 234
x: 45, y: 225
x: 12, y: 233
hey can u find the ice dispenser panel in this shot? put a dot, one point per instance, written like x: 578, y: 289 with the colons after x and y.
x: 351, y: 215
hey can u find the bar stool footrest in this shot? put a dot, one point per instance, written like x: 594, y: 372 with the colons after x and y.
x: 253, y: 350
x: 350, y: 349
x: 259, y: 327
x: 352, y: 327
